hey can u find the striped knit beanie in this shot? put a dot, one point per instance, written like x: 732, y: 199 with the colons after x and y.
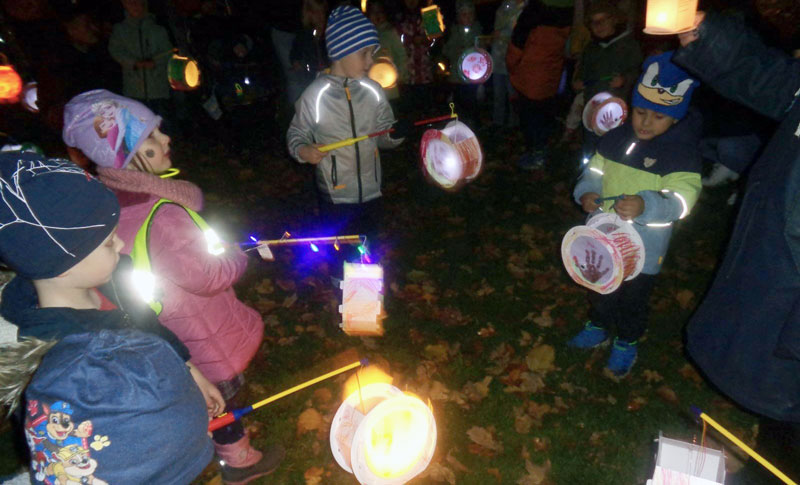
x: 348, y: 31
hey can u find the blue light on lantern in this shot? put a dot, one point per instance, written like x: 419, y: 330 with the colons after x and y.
x: 253, y: 239
x: 314, y: 248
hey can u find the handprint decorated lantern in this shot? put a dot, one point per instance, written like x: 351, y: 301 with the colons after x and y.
x: 603, y: 113
x: 451, y: 157
x: 603, y: 253
x: 475, y: 65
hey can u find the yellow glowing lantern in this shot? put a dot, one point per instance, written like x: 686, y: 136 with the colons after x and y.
x: 184, y: 74
x: 383, y: 435
x: 665, y: 17
x: 432, y: 21
x: 364, y: 6
x: 362, y: 299
x: 383, y: 72
x: 10, y: 84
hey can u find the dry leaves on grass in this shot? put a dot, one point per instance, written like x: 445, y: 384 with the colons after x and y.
x: 690, y: 374
x: 484, y: 442
x: 439, y: 473
x: 652, y: 376
x: 313, y: 476
x: 537, y: 474
x: 541, y: 358
x: 477, y: 391
x: 685, y: 298
x: 309, y: 420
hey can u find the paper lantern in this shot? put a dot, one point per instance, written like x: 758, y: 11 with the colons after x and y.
x: 362, y: 299
x: 382, y: 435
x: 681, y: 462
x: 384, y: 72
x: 451, y: 157
x: 666, y: 17
x: 604, y: 112
x: 10, y: 85
x: 432, y: 21
x: 475, y: 65
x: 30, y: 97
x: 603, y: 253
x: 183, y: 72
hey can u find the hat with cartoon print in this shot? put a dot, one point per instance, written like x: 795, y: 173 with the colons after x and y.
x: 52, y: 214
x: 117, y: 406
x: 106, y: 127
x: 664, y: 87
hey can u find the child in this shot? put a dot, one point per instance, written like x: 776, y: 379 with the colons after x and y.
x: 504, y: 20
x: 391, y: 46
x: 341, y: 105
x: 461, y: 37
x: 653, y: 162
x: 417, y: 93
x: 161, y: 230
x: 307, y: 55
x: 116, y: 387
x: 535, y: 61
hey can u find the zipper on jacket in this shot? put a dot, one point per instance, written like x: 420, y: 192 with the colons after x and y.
x: 353, y: 128
x: 375, y: 162
x: 334, y: 175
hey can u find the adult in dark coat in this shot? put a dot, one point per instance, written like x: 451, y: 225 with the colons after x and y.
x: 746, y: 334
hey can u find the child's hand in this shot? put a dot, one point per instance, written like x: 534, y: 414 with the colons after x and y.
x: 214, y: 401
x: 687, y: 38
x: 630, y: 207
x: 588, y: 201
x: 310, y: 154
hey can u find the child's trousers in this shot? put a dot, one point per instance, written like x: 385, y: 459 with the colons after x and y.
x: 626, y: 309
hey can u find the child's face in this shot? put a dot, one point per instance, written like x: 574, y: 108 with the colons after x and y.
x: 602, y: 25
x: 648, y: 124
x: 357, y: 64
x: 96, y: 268
x: 155, y: 152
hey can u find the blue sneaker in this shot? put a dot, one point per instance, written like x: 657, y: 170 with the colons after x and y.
x: 590, y: 337
x: 531, y: 161
x: 623, y: 356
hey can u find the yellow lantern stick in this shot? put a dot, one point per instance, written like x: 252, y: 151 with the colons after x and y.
x: 352, y: 141
x: 769, y: 466
x: 228, y: 418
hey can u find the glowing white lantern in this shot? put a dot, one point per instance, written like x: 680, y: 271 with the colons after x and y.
x: 383, y: 72
x: 451, y: 157
x: 30, y: 97
x: 362, y: 299
x: 382, y: 435
x: 666, y: 17
x: 475, y: 65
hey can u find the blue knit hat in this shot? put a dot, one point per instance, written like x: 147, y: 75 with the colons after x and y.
x: 664, y: 87
x: 348, y: 31
x: 52, y: 214
x: 119, y: 406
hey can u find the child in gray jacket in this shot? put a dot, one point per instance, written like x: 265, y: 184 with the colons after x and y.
x: 340, y: 105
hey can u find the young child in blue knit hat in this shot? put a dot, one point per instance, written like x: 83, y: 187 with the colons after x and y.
x: 340, y: 105
x: 111, y: 385
x: 651, y: 166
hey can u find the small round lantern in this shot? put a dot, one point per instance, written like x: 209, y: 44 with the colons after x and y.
x: 30, y: 97
x: 451, y: 157
x: 383, y: 72
x: 183, y: 72
x: 603, y: 113
x: 475, y: 65
x: 382, y: 435
x: 10, y: 84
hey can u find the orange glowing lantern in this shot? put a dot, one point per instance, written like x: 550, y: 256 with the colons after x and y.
x: 183, y: 72
x: 383, y: 435
x: 10, y: 84
x: 383, y: 72
x: 666, y: 17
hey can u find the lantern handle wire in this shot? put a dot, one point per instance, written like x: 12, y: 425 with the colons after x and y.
x: 360, y: 397
x: 453, y: 113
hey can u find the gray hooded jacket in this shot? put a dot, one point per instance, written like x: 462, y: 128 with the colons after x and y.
x: 326, y: 114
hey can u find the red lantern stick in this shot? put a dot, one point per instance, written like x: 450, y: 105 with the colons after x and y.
x: 228, y: 418
x: 435, y: 120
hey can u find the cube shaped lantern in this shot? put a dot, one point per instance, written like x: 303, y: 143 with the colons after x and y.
x: 666, y: 17
x: 432, y: 21
x: 679, y: 463
x: 362, y: 299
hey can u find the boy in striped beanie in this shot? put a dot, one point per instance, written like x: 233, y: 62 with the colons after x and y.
x: 342, y: 104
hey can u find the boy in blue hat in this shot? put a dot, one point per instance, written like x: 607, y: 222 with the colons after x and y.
x: 110, y: 385
x: 340, y: 105
x: 651, y: 167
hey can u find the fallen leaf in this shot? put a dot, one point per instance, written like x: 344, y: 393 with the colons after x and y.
x: 289, y: 301
x: 487, y: 331
x: 436, y: 352
x: 536, y: 473
x: 440, y: 473
x: 685, y: 298
x: 323, y: 394
x: 477, y: 391
x: 309, y: 420
x: 456, y: 464
x: 667, y: 394
x: 652, y: 376
x: 484, y: 438
x: 522, y: 423
x: 690, y: 374
x: 313, y: 475
x: 541, y: 358
x: 636, y: 403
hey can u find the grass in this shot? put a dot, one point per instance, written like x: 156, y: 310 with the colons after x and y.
x: 459, y: 312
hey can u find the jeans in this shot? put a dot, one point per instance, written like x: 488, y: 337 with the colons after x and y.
x: 626, y: 309
x: 502, y: 112
x: 537, y: 119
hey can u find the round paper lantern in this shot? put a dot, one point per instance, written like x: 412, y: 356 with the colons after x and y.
x: 604, y: 112
x: 30, y: 97
x: 603, y: 253
x: 451, y: 157
x: 383, y: 72
x: 382, y: 435
x: 10, y: 84
x: 475, y: 65
x: 184, y: 73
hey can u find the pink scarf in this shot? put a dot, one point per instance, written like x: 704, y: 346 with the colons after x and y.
x: 180, y: 191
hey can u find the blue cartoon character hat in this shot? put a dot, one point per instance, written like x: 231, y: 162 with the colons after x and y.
x: 664, y: 87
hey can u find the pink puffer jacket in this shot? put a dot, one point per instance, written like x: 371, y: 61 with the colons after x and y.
x: 199, y: 305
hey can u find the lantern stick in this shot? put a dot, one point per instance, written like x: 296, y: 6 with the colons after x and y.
x: 351, y: 239
x: 236, y: 414
x: 352, y: 141
x: 769, y: 466
x: 435, y: 119
x: 600, y: 200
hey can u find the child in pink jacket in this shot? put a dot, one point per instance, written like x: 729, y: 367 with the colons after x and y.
x: 181, y: 267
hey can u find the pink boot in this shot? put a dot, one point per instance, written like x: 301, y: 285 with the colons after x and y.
x: 241, y: 463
